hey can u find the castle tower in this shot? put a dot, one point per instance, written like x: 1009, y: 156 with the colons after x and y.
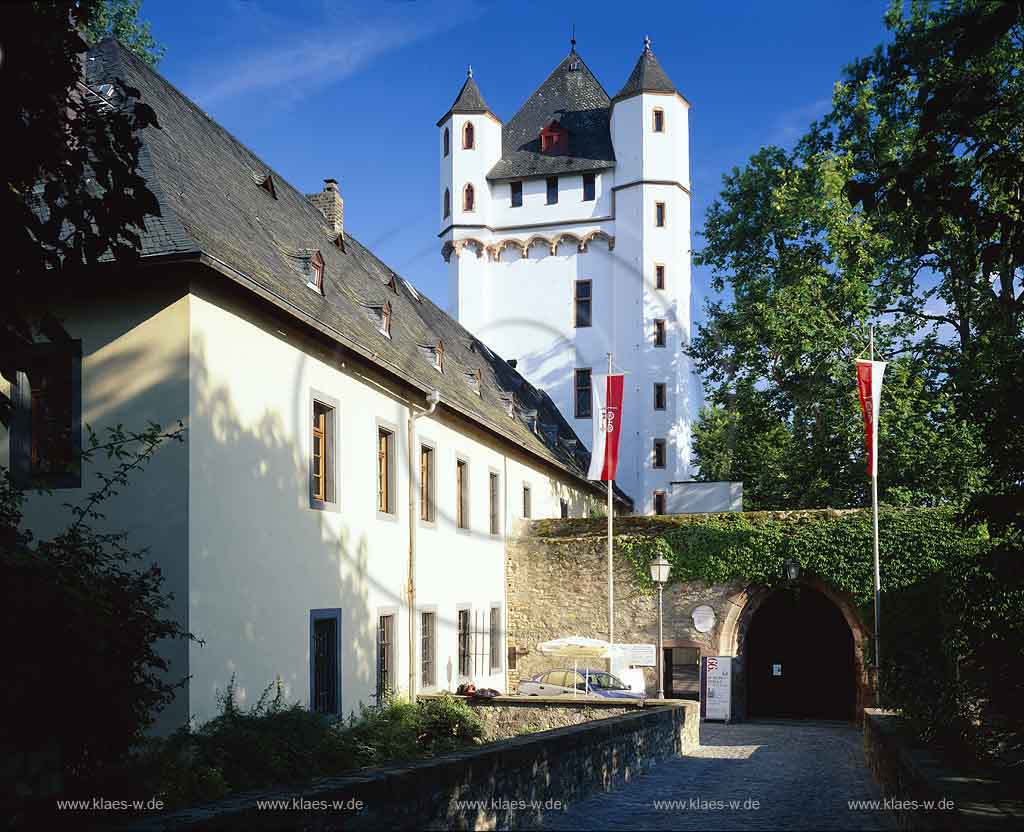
x: 577, y: 245
x: 470, y: 145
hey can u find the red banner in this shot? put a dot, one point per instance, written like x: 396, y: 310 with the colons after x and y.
x: 604, y: 456
x: 869, y: 390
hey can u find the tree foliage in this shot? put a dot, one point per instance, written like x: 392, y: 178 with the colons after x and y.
x: 73, y: 195
x: 901, y: 208
x: 120, y: 18
x: 83, y: 619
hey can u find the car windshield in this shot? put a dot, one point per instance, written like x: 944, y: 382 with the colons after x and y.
x: 606, y: 681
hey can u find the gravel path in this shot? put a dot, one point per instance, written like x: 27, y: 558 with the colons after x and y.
x: 785, y: 775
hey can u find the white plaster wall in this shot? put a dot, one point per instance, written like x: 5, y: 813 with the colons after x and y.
x: 699, y: 497
x: 261, y: 559
x: 570, y: 207
x: 134, y: 370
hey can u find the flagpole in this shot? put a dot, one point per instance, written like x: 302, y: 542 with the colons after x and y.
x: 878, y: 574
x: 611, y: 583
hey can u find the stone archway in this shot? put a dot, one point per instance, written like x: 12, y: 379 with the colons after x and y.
x: 733, y: 638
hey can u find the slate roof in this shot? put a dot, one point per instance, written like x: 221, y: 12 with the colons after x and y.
x: 469, y: 101
x: 572, y: 95
x: 647, y: 76
x: 213, y: 207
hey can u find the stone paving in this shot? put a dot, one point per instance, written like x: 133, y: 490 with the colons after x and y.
x: 786, y: 775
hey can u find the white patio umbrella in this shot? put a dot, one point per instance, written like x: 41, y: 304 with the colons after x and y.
x: 575, y: 648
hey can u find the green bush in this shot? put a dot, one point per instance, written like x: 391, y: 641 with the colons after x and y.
x: 273, y: 743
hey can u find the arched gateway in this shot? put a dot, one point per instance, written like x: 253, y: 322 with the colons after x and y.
x: 799, y: 652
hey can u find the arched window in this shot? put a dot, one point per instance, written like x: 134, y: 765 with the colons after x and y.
x: 468, y: 197
x: 447, y: 141
x: 468, y: 139
x: 447, y: 203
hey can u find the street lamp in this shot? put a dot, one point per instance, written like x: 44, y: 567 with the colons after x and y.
x: 659, y: 574
x: 792, y: 570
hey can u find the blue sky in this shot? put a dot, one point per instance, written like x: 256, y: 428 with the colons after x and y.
x: 353, y: 90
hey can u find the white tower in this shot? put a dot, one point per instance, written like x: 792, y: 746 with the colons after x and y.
x: 576, y: 243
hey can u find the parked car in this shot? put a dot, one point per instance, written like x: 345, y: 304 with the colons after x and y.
x: 583, y: 681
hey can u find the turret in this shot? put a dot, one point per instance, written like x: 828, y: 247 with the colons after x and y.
x: 470, y: 144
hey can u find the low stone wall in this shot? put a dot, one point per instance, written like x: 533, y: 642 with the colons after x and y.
x: 924, y: 793
x: 512, y: 716
x: 503, y: 785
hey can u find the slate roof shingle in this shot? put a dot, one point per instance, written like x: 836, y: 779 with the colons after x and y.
x: 468, y: 102
x: 212, y: 207
x: 572, y: 95
x: 647, y: 76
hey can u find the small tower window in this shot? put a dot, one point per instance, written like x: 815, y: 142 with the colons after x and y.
x: 659, y: 502
x: 659, y: 333
x: 659, y: 120
x: 659, y: 276
x: 659, y: 395
x: 447, y: 142
x: 516, y: 189
x: 659, y: 214
x: 468, y: 136
x: 316, y: 271
x: 447, y: 206
x: 659, y: 453
x: 588, y: 187
x: 468, y: 198
x: 552, y: 190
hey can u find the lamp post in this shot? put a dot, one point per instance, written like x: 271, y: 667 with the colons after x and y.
x: 792, y: 570
x: 659, y: 574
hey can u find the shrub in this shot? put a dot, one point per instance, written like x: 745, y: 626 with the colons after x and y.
x: 273, y: 743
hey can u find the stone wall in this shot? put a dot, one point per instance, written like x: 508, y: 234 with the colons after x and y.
x: 503, y: 785
x: 925, y: 794
x: 512, y: 716
x: 558, y: 586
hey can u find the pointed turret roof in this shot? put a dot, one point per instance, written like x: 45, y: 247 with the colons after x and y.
x: 575, y: 98
x: 647, y: 76
x: 469, y: 100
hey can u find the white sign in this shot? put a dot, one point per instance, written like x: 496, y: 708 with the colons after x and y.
x: 636, y: 655
x: 704, y: 619
x: 716, y: 687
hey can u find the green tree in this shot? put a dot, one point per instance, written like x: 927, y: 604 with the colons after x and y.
x: 933, y: 122
x: 86, y: 678
x: 903, y: 207
x: 120, y: 18
x: 73, y: 196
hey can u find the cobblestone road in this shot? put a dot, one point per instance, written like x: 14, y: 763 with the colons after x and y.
x: 801, y: 775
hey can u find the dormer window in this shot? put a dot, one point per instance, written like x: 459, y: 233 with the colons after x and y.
x: 473, y: 379
x: 439, y: 357
x: 267, y: 183
x: 508, y: 400
x: 316, y: 272
x: 385, y: 320
x: 554, y: 139
x: 468, y: 198
x: 468, y: 136
x: 447, y: 142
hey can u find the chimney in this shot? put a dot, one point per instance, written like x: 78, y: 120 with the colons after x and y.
x: 330, y: 204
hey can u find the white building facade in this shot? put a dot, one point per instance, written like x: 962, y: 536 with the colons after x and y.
x: 567, y: 234
x: 300, y: 537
